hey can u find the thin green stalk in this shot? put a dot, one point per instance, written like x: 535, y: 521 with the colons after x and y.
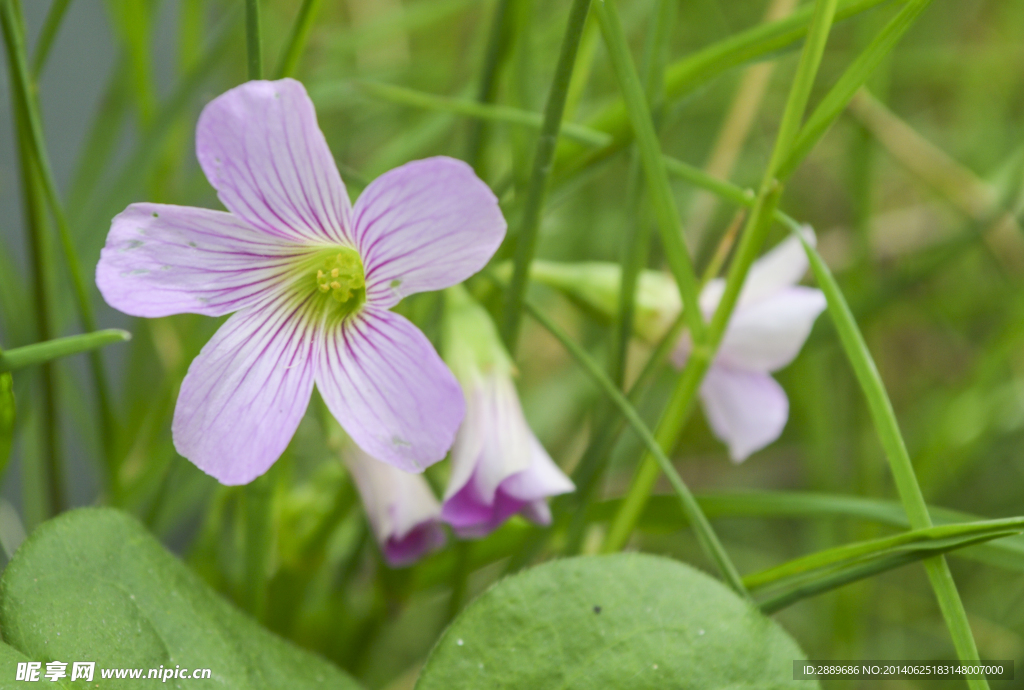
x: 51, y: 25
x: 835, y: 102
x: 14, y: 40
x: 705, y: 533
x: 929, y: 540
x: 636, y: 239
x: 258, y: 501
x: 677, y: 412
x: 460, y: 579
x: 498, y: 43
x: 298, y: 38
x: 842, y: 577
x: 670, y: 426
x: 473, y: 109
x: 526, y: 239
x: 734, y: 129
x: 253, y: 39
x: 40, y: 353
x: 686, y: 75
x: 41, y: 254
x: 8, y: 412
x: 887, y: 427
x: 594, y: 461
x: 659, y: 188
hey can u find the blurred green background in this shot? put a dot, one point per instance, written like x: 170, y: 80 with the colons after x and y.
x: 917, y: 204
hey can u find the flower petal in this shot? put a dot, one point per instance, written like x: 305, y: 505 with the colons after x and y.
x: 162, y: 260
x: 472, y: 514
x: 746, y: 409
x: 387, y: 387
x: 493, y: 442
x: 262, y: 150
x: 245, y: 393
x: 424, y: 226
x: 781, y: 267
x: 767, y: 335
x: 541, y: 480
x: 403, y: 512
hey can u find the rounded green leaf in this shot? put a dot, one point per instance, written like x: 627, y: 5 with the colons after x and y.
x: 94, y: 585
x: 621, y: 621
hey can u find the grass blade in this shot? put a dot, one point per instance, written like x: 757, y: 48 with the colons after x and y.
x: 833, y: 104
x: 658, y: 186
x: 298, y: 38
x: 887, y: 427
x: 526, y: 239
x: 253, y: 39
x: 47, y: 351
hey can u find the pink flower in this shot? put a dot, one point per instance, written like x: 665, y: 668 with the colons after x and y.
x: 403, y: 512
x: 310, y: 280
x: 499, y: 468
x: 745, y: 407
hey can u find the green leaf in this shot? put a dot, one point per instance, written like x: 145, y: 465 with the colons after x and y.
x: 9, y: 660
x: 6, y: 419
x: 94, y: 585
x: 618, y: 621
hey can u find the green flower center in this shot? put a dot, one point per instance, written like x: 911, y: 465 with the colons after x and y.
x: 340, y: 281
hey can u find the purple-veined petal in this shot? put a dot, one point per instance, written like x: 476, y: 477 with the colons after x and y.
x: 262, y: 150
x: 493, y: 442
x: 499, y: 468
x: 403, y: 512
x: 767, y: 335
x: 245, y: 393
x: 745, y: 409
x: 162, y: 260
x: 473, y: 514
x: 387, y: 387
x: 425, y: 225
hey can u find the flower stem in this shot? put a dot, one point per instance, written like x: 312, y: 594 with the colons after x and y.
x: 253, y: 39
x: 473, y: 109
x: 594, y: 460
x: 40, y: 353
x: 41, y: 253
x: 687, y: 74
x: 298, y: 38
x: 14, y: 39
x: 705, y: 533
x: 676, y: 413
x: 54, y: 17
x: 658, y: 186
x: 526, y: 240
x: 736, y: 126
x: 636, y: 239
x: 498, y: 44
x: 258, y: 527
